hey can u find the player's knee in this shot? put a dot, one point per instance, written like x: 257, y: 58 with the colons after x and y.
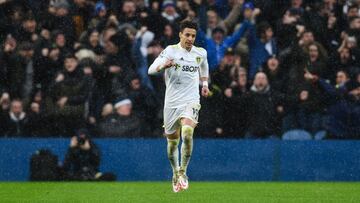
x: 174, y: 136
x: 173, y: 142
x: 187, y: 133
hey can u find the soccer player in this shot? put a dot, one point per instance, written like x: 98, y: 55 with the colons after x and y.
x: 184, y: 65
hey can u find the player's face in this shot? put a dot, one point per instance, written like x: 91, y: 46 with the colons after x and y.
x: 187, y: 38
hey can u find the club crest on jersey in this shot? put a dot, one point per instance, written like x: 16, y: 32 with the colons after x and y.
x: 162, y: 54
x: 198, y: 59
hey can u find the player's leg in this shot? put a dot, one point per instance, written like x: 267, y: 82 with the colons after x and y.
x: 188, y: 122
x: 173, y: 156
x: 173, y: 150
x: 172, y: 133
x: 187, y: 131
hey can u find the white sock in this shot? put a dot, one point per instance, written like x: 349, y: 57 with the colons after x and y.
x: 173, y: 153
x: 186, y: 146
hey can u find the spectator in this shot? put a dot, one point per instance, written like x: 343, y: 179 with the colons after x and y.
x: 38, y: 125
x: 214, y: 20
x: 235, y: 118
x: 67, y: 97
x: 118, y: 67
x: 27, y: 32
x: 99, y: 20
x: 92, y: 42
x: 21, y: 72
x: 217, y: 45
x: 7, y: 56
x: 15, y: 122
x: 317, y: 59
x: 221, y: 77
x: 123, y: 123
x: 275, y: 74
x: 59, y: 18
x: 145, y: 105
x: 81, y: 12
x: 169, y: 12
x: 154, y: 49
x: 265, y: 109
x: 261, y: 46
x: 340, y: 60
x: 128, y: 14
x: 343, y: 99
x: 140, y: 52
x: 169, y: 36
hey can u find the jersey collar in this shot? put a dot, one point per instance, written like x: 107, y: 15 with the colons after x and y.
x: 179, y: 45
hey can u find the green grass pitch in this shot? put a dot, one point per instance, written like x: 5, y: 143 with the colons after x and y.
x: 198, y: 192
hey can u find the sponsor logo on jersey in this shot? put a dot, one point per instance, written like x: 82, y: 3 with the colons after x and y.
x: 181, y: 59
x: 177, y: 66
x: 198, y: 59
x: 190, y: 68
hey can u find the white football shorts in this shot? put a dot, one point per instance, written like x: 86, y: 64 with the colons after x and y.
x: 172, y: 116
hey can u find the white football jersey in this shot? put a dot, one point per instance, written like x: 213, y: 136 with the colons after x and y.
x: 182, y: 80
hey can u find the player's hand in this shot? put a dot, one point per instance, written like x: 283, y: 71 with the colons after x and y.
x: 169, y: 63
x: 205, y: 91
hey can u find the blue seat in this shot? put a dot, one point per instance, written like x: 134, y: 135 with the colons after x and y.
x: 297, y: 134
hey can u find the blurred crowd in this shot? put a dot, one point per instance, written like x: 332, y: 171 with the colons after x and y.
x: 275, y: 66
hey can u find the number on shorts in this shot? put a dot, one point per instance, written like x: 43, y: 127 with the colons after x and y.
x: 195, y: 113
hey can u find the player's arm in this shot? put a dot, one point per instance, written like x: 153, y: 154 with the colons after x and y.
x: 162, y: 62
x: 204, y: 76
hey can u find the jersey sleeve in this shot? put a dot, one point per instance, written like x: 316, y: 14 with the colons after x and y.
x: 204, y: 66
x: 161, y: 59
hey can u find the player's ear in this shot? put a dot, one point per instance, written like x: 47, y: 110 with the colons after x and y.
x: 180, y: 34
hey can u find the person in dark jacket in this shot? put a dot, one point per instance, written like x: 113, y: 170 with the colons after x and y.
x: 123, y: 123
x: 235, y: 107
x: 145, y: 105
x: 28, y: 30
x: 21, y: 72
x: 67, y: 97
x: 119, y: 67
x: 343, y: 105
x: 59, y: 18
x: 82, y: 159
x: 15, y: 122
x: 265, y: 109
x: 275, y: 73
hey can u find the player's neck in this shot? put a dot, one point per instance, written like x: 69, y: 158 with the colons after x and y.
x: 184, y: 47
